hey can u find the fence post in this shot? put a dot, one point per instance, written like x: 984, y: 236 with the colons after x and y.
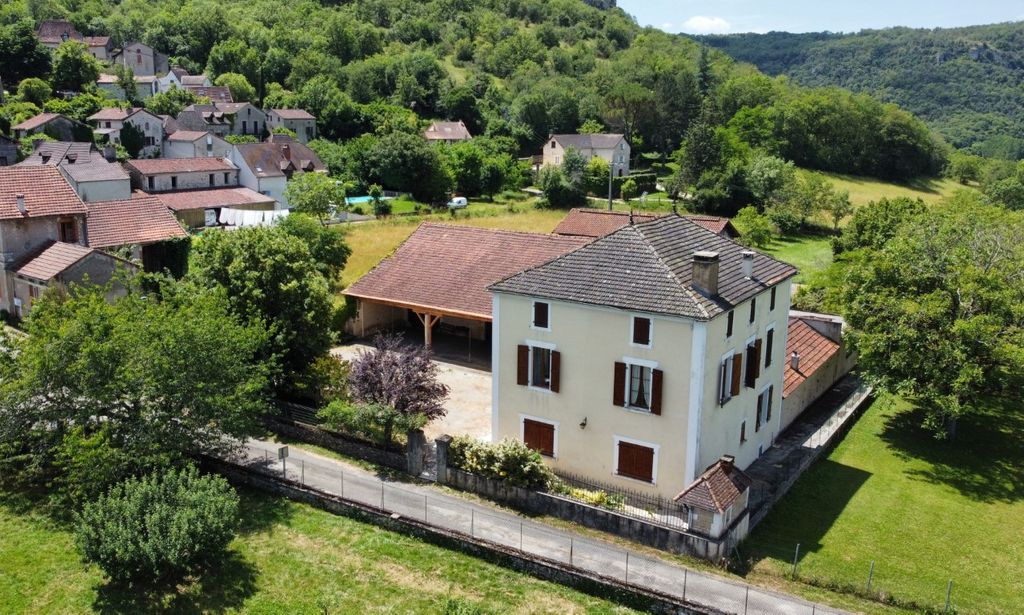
x: 520, y: 536
x: 949, y: 594
x: 795, y: 557
x: 684, y: 583
x: 303, y: 479
x: 424, y: 509
x: 871, y: 573
x: 746, y: 600
x: 382, y: 495
x: 342, y: 473
x: 626, y: 580
x: 472, y: 523
x: 570, y: 552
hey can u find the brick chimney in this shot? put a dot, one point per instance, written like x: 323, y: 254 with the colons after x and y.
x: 727, y: 462
x: 748, y: 263
x: 20, y: 198
x: 705, y: 272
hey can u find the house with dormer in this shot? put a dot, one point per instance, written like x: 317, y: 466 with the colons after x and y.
x: 224, y: 119
x: 643, y: 357
x: 612, y: 148
x: 108, y: 123
x: 266, y: 167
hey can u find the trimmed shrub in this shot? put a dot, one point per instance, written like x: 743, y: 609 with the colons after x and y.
x: 159, y: 527
x: 509, y: 460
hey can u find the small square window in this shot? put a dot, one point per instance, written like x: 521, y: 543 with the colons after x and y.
x: 728, y: 323
x: 540, y: 315
x: 642, y: 331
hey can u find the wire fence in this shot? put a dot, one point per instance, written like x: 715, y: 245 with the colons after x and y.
x: 646, y: 507
x: 530, y: 539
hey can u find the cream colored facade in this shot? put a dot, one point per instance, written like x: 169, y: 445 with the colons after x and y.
x: 693, y: 429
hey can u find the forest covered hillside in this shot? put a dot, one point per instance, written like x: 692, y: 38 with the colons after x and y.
x: 967, y: 83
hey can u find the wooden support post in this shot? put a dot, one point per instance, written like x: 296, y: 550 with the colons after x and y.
x: 428, y: 320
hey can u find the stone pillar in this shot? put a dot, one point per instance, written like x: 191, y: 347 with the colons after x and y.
x: 443, y: 444
x: 414, y: 451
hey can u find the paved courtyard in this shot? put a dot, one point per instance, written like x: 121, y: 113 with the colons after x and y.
x: 469, y: 403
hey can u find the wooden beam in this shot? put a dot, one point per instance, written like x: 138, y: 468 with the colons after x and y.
x: 428, y: 320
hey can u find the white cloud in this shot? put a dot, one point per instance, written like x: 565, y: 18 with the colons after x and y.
x: 700, y: 24
x: 667, y: 26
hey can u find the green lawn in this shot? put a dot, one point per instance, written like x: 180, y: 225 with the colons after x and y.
x: 289, y: 558
x: 924, y: 511
x: 810, y: 253
x: 866, y: 189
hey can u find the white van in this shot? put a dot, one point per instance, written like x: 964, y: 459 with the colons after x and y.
x: 458, y: 202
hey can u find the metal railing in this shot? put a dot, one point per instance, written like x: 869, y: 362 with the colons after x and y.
x: 530, y: 539
x: 646, y: 507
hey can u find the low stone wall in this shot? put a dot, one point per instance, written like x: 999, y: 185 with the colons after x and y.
x: 338, y: 443
x: 606, y: 588
x: 537, y: 502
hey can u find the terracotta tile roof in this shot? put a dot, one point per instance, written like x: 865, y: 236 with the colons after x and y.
x: 112, y: 113
x: 270, y: 159
x: 187, y: 79
x: 188, y: 135
x: 39, y: 120
x: 140, y: 220
x: 56, y: 152
x: 598, y: 141
x: 814, y: 349
x: 216, y: 93
x: 450, y: 131
x: 293, y: 114
x: 718, y: 488
x: 648, y: 267
x: 46, y: 193
x: 52, y: 31
x: 52, y: 260
x: 447, y: 269
x: 593, y: 222
x: 211, y: 199
x: 95, y: 170
x: 158, y: 166
x: 97, y: 41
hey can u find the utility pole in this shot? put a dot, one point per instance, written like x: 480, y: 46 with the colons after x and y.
x: 611, y: 173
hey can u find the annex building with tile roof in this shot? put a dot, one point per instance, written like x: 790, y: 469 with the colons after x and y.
x: 816, y: 358
x: 642, y: 357
x: 594, y: 222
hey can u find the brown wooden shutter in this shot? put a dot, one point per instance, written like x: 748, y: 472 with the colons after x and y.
x: 556, y: 369
x: 771, y: 396
x: 523, y: 367
x: 757, y: 358
x: 656, y: 377
x: 757, y: 413
x: 721, y: 384
x: 768, y: 347
x: 539, y: 436
x: 636, y: 461
x: 619, y: 385
x: 737, y: 372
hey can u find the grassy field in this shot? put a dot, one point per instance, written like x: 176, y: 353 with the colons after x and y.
x: 866, y: 189
x: 810, y: 253
x: 289, y: 558
x: 372, y: 241
x: 924, y: 511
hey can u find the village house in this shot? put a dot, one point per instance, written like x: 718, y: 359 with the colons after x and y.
x: 717, y: 502
x: 109, y: 121
x: 53, y: 32
x: 693, y: 330
x: 43, y: 237
x: 178, y: 78
x: 54, y: 125
x: 299, y: 121
x: 447, y: 132
x: 215, y: 93
x: 594, y: 222
x: 195, y: 144
x: 145, y: 86
x: 612, y: 148
x: 8, y: 151
x: 199, y: 209
x: 140, y: 223
x: 142, y: 59
x: 92, y: 175
x: 224, y: 119
x: 176, y: 174
x: 816, y: 358
x: 266, y: 167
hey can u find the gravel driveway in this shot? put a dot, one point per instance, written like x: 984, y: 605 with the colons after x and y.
x: 469, y: 403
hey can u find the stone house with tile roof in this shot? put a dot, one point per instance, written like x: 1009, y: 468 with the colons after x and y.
x: 195, y: 144
x: 109, y: 122
x: 685, y: 328
x: 816, y: 358
x: 612, y: 148
x: 266, y: 167
x: 224, y: 118
x: 142, y: 59
x: 717, y: 502
x: 299, y: 121
x: 55, y: 125
x: 594, y: 222
x: 447, y: 132
x: 53, y: 32
x: 90, y: 174
x: 178, y: 174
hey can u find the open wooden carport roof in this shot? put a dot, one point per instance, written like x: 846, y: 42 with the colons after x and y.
x: 444, y: 270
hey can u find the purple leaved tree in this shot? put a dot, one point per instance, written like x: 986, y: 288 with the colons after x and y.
x: 400, y: 376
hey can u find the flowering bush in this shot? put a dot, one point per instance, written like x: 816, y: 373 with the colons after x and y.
x: 509, y: 460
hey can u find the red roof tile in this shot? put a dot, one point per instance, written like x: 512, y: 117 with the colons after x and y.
x: 157, y: 166
x: 293, y: 114
x: 188, y: 135
x: 217, y: 197
x: 447, y: 269
x: 447, y: 131
x: 52, y: 260
x: 46, y: 193
x: 718, y: 488
x: 35, y: 122
x: 814, y: 349
x: 112, y: 113
x: 593, y: 222
x: 140, y: 220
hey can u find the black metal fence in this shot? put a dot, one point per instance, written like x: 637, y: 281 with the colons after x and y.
x: 631, y: 503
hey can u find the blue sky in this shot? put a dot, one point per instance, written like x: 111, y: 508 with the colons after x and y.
x: 725, y: 16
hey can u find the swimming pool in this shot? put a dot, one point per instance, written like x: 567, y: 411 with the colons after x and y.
x: 358, y: 200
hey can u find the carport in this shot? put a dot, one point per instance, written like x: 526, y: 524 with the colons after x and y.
x: 440, y: 274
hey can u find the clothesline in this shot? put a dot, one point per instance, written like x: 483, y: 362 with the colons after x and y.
x: 249, y: 217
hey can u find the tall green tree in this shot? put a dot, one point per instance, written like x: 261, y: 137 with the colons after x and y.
x: 73, y: 67
x: 21, y: 53
x: 316, y: 194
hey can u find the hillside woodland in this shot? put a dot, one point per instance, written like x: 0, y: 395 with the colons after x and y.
x: 967, y: 83
x: 373, y: 72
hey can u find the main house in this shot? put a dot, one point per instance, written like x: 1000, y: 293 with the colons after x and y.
x: 52, y: 32
x: 612, y: 148
x: 266, y: 167
x: 644, y: 356
x: 224, y: 119
x: 109, y: 122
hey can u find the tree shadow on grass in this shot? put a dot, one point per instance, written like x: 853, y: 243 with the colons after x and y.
x: 984, y: 462
x: 224, y: 587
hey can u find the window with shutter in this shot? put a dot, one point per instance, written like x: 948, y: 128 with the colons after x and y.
x: 556, y: 370
x: 619, y: 385
x: 768, y: 346
x: 523, y: 366
x: 540, y: 315
x: 540, y: 367
x: 757, y: 418
x: 737, y: 369
x: 642, y: 331
x: 539, y: 436
x: 636, y: 461
x: 656, y: 379
x: 771, y: 396
x: 753, y: 309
